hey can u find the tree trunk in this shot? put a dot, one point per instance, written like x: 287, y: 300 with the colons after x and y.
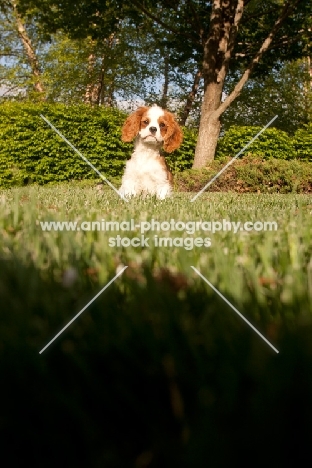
x: 29, y: 50
x: 99, y: 95
x: 110, y: 94
x: 307, y: 89
x: 218, y: 48
x: 164, y: 98
x: 95, y: 92
x: 190, y: 99
x: 309, y: 66
x: 210, y: 126
x: 90, y: 72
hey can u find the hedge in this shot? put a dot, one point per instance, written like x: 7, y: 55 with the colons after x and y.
x: 272, y: 143
x: 302, y: 142
x: 32, y: 152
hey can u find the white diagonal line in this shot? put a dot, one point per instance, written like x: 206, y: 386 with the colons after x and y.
x: 82, y: 156
x: 235, y: 310
x: 233, y: 159
x: 85, y: 307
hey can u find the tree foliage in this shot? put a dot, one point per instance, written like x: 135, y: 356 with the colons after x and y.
x: 185, y: 25
x: 20, y: 70
x: 285, y: 91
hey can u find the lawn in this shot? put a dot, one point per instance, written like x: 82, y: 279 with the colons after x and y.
x: 249, y: 263
x: 159, y: 348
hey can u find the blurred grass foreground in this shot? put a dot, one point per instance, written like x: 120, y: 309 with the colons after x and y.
x: 158, y: 371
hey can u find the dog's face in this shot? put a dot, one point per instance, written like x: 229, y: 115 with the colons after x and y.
x: 154, y: 126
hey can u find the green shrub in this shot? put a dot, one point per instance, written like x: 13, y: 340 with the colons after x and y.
x: 32, y: 152
x: 250, y: 174
x: 302, y: 142
x: 183, y: 157
x: 272, y: 143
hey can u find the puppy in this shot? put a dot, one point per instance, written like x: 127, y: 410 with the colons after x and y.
x: 147, y: 171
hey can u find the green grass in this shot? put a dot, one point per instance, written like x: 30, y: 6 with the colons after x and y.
x: 159, y: 367
x: 261, y: 264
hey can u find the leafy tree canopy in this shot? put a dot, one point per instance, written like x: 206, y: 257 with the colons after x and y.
x: 184, y: 25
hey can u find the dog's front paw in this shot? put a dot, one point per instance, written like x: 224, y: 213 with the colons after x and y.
x: 163, y: 192
x: 127, y: 192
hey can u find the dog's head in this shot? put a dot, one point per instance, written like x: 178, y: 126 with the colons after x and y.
x: 154, y: 126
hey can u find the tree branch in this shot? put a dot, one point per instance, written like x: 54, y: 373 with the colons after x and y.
x: 288, y: 8
x: 284, y: 40
x: 9, y: 54
x: 190, y: 98
x: 197, y: 22
x: 157, y: 20
x: 9, y: 90
x: 260, y: 14
x: 229, y: 40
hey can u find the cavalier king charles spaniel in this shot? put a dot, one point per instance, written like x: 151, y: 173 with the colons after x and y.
x: 147, y: 171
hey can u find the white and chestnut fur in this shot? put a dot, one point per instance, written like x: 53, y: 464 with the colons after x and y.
x: 147, y: 171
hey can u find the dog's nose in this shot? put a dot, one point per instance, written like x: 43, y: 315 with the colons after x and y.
x: 153, y: 129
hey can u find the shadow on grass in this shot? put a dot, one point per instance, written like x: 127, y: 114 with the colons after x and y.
x: 154, y: 374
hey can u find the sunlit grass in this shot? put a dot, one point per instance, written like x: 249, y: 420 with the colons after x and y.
x: 273, y: 267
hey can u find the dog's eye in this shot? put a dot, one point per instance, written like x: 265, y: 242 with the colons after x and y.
x: 162, y: 125
x: 145, y: 122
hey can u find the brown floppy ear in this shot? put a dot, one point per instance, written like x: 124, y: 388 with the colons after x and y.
x: 174, y: 136
x: 131, y: 126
